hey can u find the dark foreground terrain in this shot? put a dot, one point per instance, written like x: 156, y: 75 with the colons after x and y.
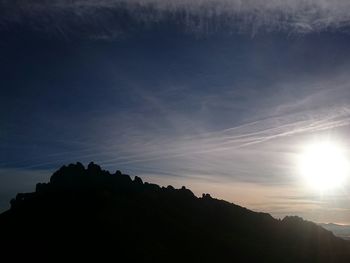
x: 92, y: 214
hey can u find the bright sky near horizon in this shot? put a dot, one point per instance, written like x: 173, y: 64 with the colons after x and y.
x: 220, y: 96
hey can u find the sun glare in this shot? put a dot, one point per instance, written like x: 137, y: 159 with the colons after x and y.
x: 324, y: 166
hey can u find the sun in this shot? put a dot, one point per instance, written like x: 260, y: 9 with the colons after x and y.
x: 324, y: 165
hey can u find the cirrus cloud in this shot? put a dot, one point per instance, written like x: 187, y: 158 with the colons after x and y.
x: 111, y: 18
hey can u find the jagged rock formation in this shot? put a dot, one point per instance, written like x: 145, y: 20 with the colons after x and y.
x: 87, y: 213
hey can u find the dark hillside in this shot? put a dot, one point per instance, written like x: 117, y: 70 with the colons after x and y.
x: 90, y: 212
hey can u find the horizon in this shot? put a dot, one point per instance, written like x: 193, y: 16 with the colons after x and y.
x: 45, y: 176
x: 246, y: 101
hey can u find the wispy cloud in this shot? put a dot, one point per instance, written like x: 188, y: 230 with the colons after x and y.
x: 110, y: 16
x: 170, y: 143
x: 213, y: 155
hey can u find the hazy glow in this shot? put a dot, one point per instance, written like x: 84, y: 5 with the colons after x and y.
x: 324, y: 165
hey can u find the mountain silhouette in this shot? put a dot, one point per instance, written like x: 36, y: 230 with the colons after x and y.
x: 87, y: 213
x: 342, y: 231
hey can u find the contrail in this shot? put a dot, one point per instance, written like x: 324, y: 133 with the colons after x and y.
x: 214, y: 143
x: 232, y: 139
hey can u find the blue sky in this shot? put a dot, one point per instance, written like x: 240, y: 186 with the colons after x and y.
x: 216, y: 95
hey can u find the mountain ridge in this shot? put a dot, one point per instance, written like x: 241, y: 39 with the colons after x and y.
x: 339, y: 230
x: 88, y: 210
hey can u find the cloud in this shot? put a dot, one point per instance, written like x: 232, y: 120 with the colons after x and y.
x: 175, y: 143
x: 103, y: 18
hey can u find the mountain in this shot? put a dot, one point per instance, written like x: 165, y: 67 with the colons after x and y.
x: 88, y: 213
x: 342, y: 231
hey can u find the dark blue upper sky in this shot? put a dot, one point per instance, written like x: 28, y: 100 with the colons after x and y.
x: 169, y: 99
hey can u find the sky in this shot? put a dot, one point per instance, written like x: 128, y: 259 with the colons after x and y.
x: 220, y: 96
